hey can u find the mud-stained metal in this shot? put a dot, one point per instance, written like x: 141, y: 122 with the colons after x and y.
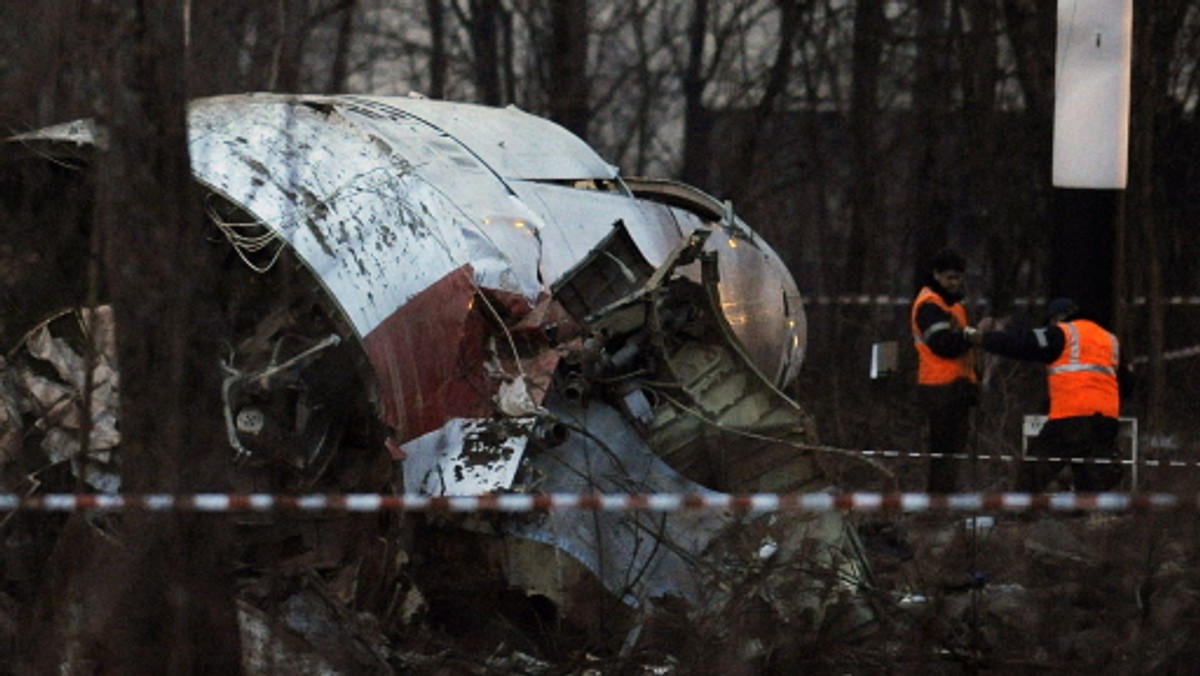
x: 484, y: 457
x: 518, y: 315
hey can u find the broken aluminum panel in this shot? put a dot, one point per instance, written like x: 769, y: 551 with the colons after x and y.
x: 730, y: 423
x: 762, y: 306
x: 416, y: 355
x: 467, y: 457
x: 637, y: 555
x: 513, y: 143
x: 77, y: 135
x: 614, y: 270
x: 664, y: 340
x: 577, y: 220
x: 648, y: 557
x: 759, y: 295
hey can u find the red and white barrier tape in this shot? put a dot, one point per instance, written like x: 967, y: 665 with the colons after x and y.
x: 1171, y: 355
x: 1141, y: 462
x: 608, y: 502
x: 901, y: 301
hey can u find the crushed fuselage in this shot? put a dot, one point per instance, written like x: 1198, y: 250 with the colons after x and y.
x: 515, y: 315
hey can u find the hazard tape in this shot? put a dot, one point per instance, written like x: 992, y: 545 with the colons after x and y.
x: 1141, y: 462
x: 217, y: 503
x: 1171, y: 355
x: 901, y: 301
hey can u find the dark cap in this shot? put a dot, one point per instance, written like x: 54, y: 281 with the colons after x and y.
x: 1062, y: 307
x: 949, y: 259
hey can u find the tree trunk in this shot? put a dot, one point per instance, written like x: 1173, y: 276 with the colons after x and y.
x: 740, y: 177
x: 568, y: 90
x: 289, y: 47
x: 436, y: 14
x: 696, y: 120
x: 1151, y: 31
x: 217, y: 39
x: 161, y: 601
x: 869, y: 25
x: 930, y: 96
x: 340, y: 67
x: 482, y: 21
x: 980, y: 155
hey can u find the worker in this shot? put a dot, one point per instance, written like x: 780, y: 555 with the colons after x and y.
x: 947, y: 381
x: 1082, y: 375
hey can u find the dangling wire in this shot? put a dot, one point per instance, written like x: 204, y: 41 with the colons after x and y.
x: 245, y: 245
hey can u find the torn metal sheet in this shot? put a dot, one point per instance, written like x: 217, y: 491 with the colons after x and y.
x: 639, y: 555
x: 467, y: 457
x: 648, y: 558
x: 49, y: 382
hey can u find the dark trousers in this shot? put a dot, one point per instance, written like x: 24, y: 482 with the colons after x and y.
x: 948, y: 408
x: 1089, y: 437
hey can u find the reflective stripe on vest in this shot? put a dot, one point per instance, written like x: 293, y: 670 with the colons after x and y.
x: 932, y: 369
x: 1083, y: 380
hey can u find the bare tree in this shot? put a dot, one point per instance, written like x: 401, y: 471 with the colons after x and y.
x: 486, y: 23
x: 869, y: 35
x: 437, y: 48
x: 339, y: 69
x: 696, y: 120
x: 568, y: 58
x: 931, y: 97
x: 162, y: 602
x: 1154, y: 35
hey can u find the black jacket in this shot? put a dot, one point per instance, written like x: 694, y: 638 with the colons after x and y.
x: 946, y: 344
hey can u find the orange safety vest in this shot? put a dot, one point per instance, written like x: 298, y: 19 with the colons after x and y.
x: 932, y: 369
x: 1083, y: 380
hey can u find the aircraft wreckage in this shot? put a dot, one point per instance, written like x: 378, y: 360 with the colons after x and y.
x: 514, y: 314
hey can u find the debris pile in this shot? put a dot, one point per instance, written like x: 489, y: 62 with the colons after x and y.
x: 445, y: 299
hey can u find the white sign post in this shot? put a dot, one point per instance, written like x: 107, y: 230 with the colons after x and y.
x: 1091, y: 106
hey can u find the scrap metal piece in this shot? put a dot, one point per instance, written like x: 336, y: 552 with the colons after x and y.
x: 638, y: 555
x: 727, y: 404
x: 50, y: 381
x: 467, y: 457
x: 662, y: 338
x: 280, y: 406
x: 759, y: 296
x: 648, y: 559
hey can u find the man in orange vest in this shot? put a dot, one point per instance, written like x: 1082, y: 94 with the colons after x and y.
x: 947, y: 383
x: 1082, y: 375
